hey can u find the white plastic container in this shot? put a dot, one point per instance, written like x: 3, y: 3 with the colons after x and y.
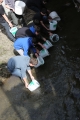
x: 13, y: 30
x: 48, y: 44
x: 53, y: 25
x: 19, y: 7
x: 34, y: 84
x: 54, y: 38
x: 43, y: 53
x: 54, y: 16
x: 40, y: 61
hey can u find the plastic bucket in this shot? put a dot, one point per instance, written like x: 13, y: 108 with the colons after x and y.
x: 40, y: 61
x: 19, y: 7
x: 43, y: 53
x: 53, y: 25
x: 48, y: 44
x: 13, y: 30
x: 54, y: 38
x: 54, y: 16
x: 34, y: 84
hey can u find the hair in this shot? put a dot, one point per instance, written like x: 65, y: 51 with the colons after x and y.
x: 33, y: 61
x: 34, y: 40
x: 36, y: 21
x: 44, y: 11
x: 37, y: 28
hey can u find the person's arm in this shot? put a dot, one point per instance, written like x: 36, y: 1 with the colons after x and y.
x: 32, y: 77
x: 7, y: 6
x: 44, y: 38
x: 7, y: 20
x: 44, y: 25
x: 25, y: 82
x: 41, y: 45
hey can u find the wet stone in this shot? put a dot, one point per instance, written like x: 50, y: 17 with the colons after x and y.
x: 63, y: 47
x: 77, y: 76
x: 62, y: 51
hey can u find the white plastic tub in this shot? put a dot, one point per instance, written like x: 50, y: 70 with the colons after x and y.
x: 43, y: 53
x: 13, y: 30
x: 34, y: 84
x: 19, y: 7
x: 54, y: 16
x: 53, y: 25
x: 47, y: 44
x: 54, y: 38
x: 40, y: 61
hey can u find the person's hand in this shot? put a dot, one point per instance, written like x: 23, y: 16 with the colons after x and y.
x: 13, y: 10
x: 43, y: 47
x: 26, y: 85
x: 10, y: 24
x: 36, y: 54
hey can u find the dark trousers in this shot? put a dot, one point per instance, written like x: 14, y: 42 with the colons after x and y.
x: 6, y: 26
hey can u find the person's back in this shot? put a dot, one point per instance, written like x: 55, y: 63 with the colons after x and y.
x: 35, y: 5
x: 18, y: 66
x: 18, y: 62
x: 25, y: 32
x: 24, y: 44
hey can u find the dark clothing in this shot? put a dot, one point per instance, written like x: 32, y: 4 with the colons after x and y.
x: 5, y: 24
x: 38, y: 16
x: 35, y: 5
x: 24, y: 32
x: 2, y: 12
x: 7, y: 28
x: 41, y: 17
x: 27, y: 32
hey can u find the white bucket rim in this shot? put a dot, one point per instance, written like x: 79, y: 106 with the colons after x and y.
x: 51, y: 37
x: 39, y: 62
x: 34, y: 84
x: 22, y: 4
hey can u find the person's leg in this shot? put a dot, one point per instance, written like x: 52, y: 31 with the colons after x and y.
x: 6, y: 26
x: 20, y: 51
x: 17, y: 72
x: 14, y: 18
x: 21, y: 20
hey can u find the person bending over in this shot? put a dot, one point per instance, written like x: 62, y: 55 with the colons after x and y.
x: 18, y: 66
x: 33, y: 31
x: 23, y: 45
x: 43, y: 19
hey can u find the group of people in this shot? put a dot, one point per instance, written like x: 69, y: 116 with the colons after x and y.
x: 28, y: 38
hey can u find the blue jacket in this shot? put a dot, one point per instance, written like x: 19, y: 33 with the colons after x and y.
x: 25, y: 44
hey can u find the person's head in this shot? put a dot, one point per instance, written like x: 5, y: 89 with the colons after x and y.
x: 33, y: 61
x: 1, y: 1
x: 36, y: 22
x: 37, y: 30
x: 44, y: 11
x: 34, y: 41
